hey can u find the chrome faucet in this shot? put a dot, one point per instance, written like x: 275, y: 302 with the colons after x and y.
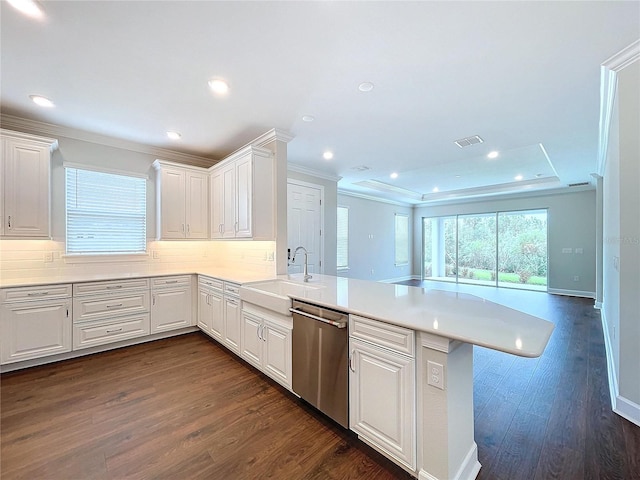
x: 305, y: 269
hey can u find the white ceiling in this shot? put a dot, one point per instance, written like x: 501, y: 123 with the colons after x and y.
x: 525, y: 76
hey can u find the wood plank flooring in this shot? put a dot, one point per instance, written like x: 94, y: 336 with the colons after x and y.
x: 185, y: 408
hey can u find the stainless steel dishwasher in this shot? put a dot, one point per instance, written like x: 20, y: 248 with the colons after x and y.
x: 320, y: 359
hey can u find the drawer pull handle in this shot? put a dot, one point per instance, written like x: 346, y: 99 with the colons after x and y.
x: 113, y: 287
x: 114, y: 331
x: 117, y: 305
x: 171, y: 281
x: 37, y: 294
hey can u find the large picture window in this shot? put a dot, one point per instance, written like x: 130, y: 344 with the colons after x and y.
x: 106, y: 213
x: 507, y: 249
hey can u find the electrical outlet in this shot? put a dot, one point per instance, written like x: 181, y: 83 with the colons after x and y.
x: 576, y: 278
x: 567, y: 250
x: 156, y: 255
x: 616, y: 263
x: 271, y: 257
x: 48, y: 257
x: 579, y: 250
x: 435, y: 374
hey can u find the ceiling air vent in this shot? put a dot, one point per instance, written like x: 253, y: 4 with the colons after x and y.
x: 361, y: 168
x: 580, y: 184
x: 468, y: 141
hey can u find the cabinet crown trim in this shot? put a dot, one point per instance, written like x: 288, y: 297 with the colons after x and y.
x: 52, y: 143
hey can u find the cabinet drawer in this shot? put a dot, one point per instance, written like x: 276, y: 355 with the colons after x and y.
x: 42, y: 292
x: 115, y: 286
x: 90, y: 335
x: 171, y: 282
x: 85, y: 309
x: 210, y: 282
x: 395, y: 338
x: 231, y: 289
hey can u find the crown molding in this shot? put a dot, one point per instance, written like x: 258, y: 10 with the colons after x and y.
x: 293, y: 167
x: 608, y: 85
x: 372, y: 198
x: 41, y: 128
x: 509, y: 196
x: 270, y: 136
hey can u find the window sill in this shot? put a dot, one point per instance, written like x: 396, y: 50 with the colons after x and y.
x: 105, y: 257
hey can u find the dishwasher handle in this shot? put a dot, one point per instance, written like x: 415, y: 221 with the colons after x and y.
x: 320, y: 319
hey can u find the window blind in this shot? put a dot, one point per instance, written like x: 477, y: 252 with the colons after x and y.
x: 105, y: 212
x: 402, y: 239
x: 343, y: 238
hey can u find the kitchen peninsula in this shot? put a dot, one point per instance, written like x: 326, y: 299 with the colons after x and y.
x: 411, y: 380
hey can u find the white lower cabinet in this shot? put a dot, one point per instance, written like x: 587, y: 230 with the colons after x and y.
x: 382, y: 389
x: 110, y: 311
x: 232, y: 330
x: 93, y: 334
x: 35, y: 329
x: 210, y: 311
x: 171, y: 304
x: 266, y: 344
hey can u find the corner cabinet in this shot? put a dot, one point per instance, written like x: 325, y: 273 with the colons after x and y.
x: 171, y: 303
x: 25, y: 184
x: 182, y: 202
x: 243, y: 195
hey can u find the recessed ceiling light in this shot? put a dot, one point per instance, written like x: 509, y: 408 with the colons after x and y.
x: 218, y: 86
x: 435, y: 190
x: 366, y: 86
x: 28, y: 7
x: 457, y: 176
x: 308, y: 118
x: 394, y: 175
x: 174, y: 135
x: 327, y: 155
x: 493, y: 154
x: 518, y: 177
x: 41, y: 101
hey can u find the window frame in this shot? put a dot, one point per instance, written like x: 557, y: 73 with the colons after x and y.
x: 397, y: 247
x: 338, y: 266
x: 106, y: 256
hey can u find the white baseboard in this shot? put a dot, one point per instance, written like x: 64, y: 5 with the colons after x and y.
x: 620, y: 405
x: 467, y: 471
x: 398, y: 279
x: 571, y: 293
x: 627, y: 409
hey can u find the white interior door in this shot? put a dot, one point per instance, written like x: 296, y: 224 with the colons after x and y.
x: 304, y: 224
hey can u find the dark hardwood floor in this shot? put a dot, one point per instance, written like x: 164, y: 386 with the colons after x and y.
x: 185, y: 408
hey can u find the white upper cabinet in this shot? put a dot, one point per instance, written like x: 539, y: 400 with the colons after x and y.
x: 25, y: 185
x: 243, y: 195
x: 182, y: 202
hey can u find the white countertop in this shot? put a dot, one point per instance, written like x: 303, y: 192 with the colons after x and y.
x: 230, y: 275
x: 454, y: 315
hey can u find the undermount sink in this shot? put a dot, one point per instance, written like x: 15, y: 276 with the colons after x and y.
x: 274, y: 294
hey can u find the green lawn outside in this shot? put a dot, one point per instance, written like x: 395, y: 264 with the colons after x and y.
x: 485, y: 275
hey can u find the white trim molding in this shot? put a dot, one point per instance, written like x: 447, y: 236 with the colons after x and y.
x: 292, y: 167
x: 571, y: 293
x: 608, y: 83
x: 620, y: 405
x: 373, y: 198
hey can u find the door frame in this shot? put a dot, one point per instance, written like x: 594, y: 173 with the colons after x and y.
x: 316, y: 186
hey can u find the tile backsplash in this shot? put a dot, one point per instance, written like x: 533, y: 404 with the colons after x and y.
x: 44, y: 258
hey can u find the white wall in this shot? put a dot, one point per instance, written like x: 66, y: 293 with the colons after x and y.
x: 25, y: 258
x: 571, y: 223
x: 372, y: 239
x: 621, y: 249
x: 330, y: 215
